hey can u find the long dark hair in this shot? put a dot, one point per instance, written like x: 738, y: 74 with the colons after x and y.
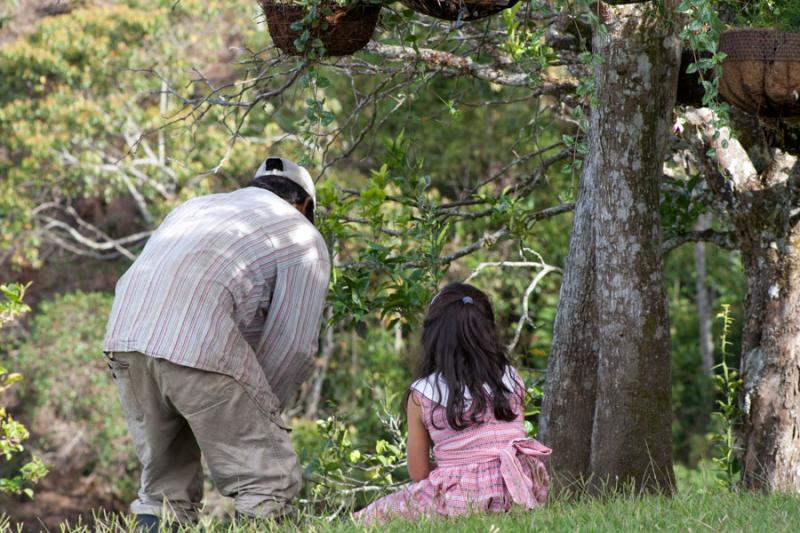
x: 460, y: 343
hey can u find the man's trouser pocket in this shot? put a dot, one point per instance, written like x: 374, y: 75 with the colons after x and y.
x: 121, y: 372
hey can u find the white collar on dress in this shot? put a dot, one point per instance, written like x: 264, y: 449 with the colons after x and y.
x: 435, y: 389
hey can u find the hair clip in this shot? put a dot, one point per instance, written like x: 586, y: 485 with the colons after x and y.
x: 467, y: 300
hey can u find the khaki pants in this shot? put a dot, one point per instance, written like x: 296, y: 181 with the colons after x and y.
x: 175, y: 413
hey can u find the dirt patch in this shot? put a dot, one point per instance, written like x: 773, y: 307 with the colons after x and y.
x: 62, y: 495
x: 67, y: 492
x: 68, y: 496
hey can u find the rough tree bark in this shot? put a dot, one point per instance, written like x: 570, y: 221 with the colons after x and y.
x: 567, y: 414
x: 631, y: 437
x: 610, y: 361
x: 763, y: 208
x: 771, y: 362
x: 769, y: 240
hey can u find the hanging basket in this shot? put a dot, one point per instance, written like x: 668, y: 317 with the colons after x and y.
x: 459, y: 9
x: 761, y: 73
x: 345, y: 31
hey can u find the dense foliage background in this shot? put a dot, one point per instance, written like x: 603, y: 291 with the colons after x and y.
x: 113, y: 113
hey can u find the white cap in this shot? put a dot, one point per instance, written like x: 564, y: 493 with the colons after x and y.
x: 278, y: 166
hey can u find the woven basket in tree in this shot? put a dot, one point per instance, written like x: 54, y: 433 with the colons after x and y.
x: 761, y: 73
x: 459, y: 9
x: 348, y: 28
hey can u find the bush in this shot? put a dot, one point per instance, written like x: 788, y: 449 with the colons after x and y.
x: 18, y: 471
x: 70, y: 399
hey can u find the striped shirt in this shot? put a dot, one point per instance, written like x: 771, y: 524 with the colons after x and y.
x: 232, y: 283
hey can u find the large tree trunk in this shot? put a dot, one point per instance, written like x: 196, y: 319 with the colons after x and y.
x: 770, y: 244
x: 771, y: 368
x: 568, y: 407
x: 611, y: 339
x: 763, y: 210
x: 632, y: 428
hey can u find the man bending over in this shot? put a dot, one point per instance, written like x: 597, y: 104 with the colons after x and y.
x: 213, y: 330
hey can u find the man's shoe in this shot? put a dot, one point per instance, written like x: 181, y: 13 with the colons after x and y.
x: 147, y: 523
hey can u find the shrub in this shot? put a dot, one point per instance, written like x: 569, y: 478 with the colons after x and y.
x: 18, y: 471
x: 69, y: 396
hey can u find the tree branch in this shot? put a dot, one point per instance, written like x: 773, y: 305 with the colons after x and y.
x: 550, y: 212
x: 449, y: 62
x: 724, y: 240
x: 525, y: 317
x: 387, y: 231
x: 486, y: 240
x: 729, y: 153
x: 90, y: 246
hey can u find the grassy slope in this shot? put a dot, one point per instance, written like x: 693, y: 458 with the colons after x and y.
x: 696, y: 511
x: 699, y: 506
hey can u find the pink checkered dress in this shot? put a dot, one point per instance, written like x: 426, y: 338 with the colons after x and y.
x: 486, y: 467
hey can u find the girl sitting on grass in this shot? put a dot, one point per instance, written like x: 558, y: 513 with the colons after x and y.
x: 467, y: 406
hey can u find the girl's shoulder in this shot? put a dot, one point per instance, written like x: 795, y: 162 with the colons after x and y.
x: 434, y: 387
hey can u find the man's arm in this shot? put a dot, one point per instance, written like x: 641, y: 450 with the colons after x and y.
x: 291, y: 332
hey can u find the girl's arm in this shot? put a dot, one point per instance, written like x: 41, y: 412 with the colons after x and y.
x: 419, y: 442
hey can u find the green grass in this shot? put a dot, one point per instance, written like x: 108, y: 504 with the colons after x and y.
x: 699, y: 506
